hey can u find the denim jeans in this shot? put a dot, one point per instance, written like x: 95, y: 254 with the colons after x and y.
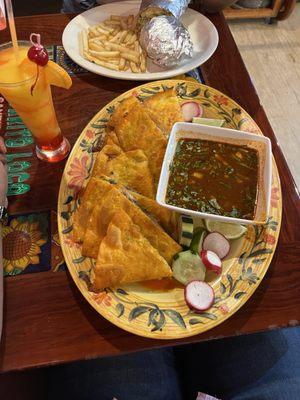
x: 263, y: 366
x: 77, y: 6
x: 139, y: 376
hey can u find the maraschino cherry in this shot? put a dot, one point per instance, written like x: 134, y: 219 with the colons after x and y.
x: 37, y: 53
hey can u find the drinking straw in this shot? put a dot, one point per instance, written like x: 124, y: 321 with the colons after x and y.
x: 12, y: 28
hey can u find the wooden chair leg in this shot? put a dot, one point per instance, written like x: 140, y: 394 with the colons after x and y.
x: 286, y: 10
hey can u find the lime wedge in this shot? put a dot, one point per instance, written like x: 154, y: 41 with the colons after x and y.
x: 208, y: 121
x: 230, y: 231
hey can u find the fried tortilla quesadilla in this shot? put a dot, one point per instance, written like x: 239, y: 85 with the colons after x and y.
x: 136, y: 130
x: 94, y: 192
x: 111, y: 138
x: 126, y: 256
x: 102, y: 215
x: 122, y: 111
x: 164, y: 109
x: 127, y: 168
x: 165, y: 217
x: 118, y: 221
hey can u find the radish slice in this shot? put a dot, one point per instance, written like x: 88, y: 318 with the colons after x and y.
x: 217, y: 243
x: 199, y: 296
x: 211, y: 261
x: 190, y: 109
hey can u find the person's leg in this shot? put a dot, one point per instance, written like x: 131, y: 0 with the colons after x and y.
x: 145, y: 375
x: 77, y: 6
x: 263, y: 366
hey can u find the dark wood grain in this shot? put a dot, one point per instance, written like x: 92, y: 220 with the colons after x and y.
x: 47, y: 320
x: 288, y: 7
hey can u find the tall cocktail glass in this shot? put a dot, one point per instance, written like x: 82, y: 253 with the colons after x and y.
x: 26, y: 87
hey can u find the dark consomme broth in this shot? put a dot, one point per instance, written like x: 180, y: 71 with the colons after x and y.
x: 212, y: 177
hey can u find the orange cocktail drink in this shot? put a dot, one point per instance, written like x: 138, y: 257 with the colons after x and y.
x: 26, y: 86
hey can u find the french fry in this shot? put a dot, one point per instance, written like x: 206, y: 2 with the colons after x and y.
x: 122, y: 63
x: 112, y: 23
x: 80, y: 43
x: 102, y: 63
x: 123, y: 36
x: 130, y: 57
x: 130, y: 22
x: 89, y: 57
x: 115, y: 31
x: 132, y: 40
x: 102, y: 31
x: 96, y: 47
x: 143, y: 62
x: 108, y: 65
x: 113, y: 44
x: 105, y: 54
x: 113, y: 61
x: 94, y: 40
x: 106, y: 28
x: 85, y: 44
x: 102, y: 37
x: 92, y: 35
x: 128, y: 37
x: 93, y: 32
x: 116, y: 38
x: 123, y: 24
x: 133, y: 67
x: 118, y: 47
x: 115, y: 18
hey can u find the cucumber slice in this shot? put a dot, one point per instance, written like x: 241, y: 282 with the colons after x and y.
x: 188, y: 267
x: 186, y: 228
x: 196, y: 243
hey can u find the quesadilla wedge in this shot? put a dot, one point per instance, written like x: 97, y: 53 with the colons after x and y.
x: 136, y: 130
x: 103, y: 214
x: 165, y: 217
x: 111, y: 138
x: 164, y: 109
x: 122, y: 111
x: 127, y: 168
x: 126, y: 256
x: 94, y: 192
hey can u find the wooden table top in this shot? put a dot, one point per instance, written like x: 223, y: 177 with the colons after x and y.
x: 46, y: 319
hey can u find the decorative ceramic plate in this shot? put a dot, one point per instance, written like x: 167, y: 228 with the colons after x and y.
x: 160, y: 312
x: 203, y: 35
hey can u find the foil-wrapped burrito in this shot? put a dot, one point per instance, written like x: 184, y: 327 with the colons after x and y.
x: 166, y: 40
x: 154, y: 8
x: 161, y: 33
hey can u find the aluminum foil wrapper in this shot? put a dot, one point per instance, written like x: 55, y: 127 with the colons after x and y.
x: 171, y: 7
x: 166, y: 41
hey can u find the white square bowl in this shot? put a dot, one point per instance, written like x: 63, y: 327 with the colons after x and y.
x: 184, y: 130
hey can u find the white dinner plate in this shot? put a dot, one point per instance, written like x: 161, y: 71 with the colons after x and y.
x: 203, y: 34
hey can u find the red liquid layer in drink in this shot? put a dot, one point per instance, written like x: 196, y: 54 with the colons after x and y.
x: 54, y: 150
x: 52, y: 145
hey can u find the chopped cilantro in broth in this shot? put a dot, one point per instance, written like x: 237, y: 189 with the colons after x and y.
x: 212, y: 177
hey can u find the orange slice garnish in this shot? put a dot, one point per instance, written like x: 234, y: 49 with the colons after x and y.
x: 57, y: 76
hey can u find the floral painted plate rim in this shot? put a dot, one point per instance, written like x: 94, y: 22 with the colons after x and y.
x: 130, y: 309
